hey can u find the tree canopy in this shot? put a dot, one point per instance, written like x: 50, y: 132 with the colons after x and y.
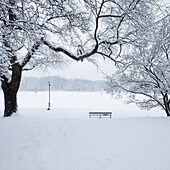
x: 146, y: 71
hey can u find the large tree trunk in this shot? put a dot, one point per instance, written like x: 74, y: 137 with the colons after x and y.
x: 10, y: 90
x: 167, y: 104
x: 10, y: 99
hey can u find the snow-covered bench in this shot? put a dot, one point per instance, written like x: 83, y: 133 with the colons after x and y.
x: 100, y: 114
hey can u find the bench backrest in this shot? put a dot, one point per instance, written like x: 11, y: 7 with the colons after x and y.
x: 100, y: 114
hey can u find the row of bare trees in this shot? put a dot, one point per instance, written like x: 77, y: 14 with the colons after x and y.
x: 132, y: 33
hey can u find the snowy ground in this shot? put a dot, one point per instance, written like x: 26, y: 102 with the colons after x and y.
x: 64, y: 138
x: 77, y: 105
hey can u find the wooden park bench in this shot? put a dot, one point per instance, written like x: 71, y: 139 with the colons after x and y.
x: 100, y: 114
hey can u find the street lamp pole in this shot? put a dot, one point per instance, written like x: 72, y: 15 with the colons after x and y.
x: 49, y: 84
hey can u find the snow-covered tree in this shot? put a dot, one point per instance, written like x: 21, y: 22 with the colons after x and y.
x: 146, y: 70
x: 36, y: 33
x: 26, y: 28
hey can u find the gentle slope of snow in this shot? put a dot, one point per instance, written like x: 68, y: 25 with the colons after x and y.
x: 44, y: 143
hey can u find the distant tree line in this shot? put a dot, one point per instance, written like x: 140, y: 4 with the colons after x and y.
x: 60, y: 84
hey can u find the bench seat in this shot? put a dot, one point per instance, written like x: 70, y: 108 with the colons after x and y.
x: 100, y: 114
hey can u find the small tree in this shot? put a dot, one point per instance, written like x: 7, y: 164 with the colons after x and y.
x: 146, y: 71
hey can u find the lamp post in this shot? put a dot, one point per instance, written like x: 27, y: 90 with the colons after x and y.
x: 49, y: 84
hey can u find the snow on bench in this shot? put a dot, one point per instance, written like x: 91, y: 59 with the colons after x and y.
x: 100, y: 114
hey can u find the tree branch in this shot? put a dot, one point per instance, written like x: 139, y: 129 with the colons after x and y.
x: 141, y: 93
x: 30, y: 53
x: 71, y: 55
x: 110, y: 16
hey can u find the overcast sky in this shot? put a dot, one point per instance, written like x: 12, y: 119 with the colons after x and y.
x: 83, y: 70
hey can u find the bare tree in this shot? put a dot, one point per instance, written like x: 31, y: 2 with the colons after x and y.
x: 146, y: 71
x: 36, y: 33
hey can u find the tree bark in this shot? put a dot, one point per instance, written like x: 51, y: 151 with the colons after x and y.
x: 10, y: 90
